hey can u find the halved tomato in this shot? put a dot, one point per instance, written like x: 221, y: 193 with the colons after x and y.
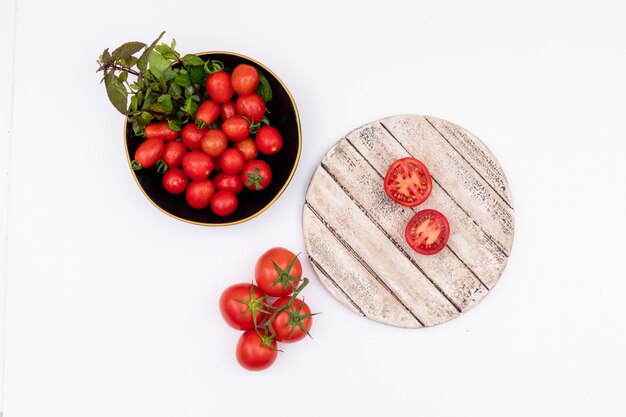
x: 408, y: 182
x: 427, y: 232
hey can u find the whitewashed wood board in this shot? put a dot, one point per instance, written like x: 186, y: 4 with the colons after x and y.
x: 354, y: 234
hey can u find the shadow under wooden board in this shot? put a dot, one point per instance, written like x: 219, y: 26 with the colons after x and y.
x: 354, y: 234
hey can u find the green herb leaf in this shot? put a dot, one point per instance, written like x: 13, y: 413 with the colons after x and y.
x: 192, y: 60
x: 158, y: 64
x: 123, y: 76
x: 166, y: 100
x: 127, y: 49
x: 190, y: 107
x: 146, y: 118
x: 182, y: 80
x: 175, y: 90
x: 106, y: 57
x: 133, y: 104
x: 197, y: 75
x: 165, y: 50
x: 116, y: 92
x: 174, y: 126
x: 264, y: 89
x: 142, y: 63
x: 159, y: 108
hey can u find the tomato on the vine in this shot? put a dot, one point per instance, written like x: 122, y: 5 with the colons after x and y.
x: 256, y: 175
x: 197, y: 165
x: 228, y: 182
x: 245, y: 78
x: 175, y: 151
x: 192, y: 136
x: 293, y: 323
x: 224, y: 203
x: 408, y: 182
x: 427, y: 232
x: 219, y: 87
x: 228, y: 110
x: 160, y: 130
x: 248, y: 148
x: 175, y: 181
x: 208, y: 112
x: 200, y: 193
x: 255, y: 353
x: 269, y: 140
x: 241, y: 306
x: 277, y: 271
x: 232, y: 161
x: 236, y: 128
x: 148, y: 153
x: 214, y: 142
x: 252, y: 106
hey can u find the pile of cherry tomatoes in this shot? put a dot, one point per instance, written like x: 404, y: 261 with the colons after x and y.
x: 215, y: 158
x: 269, y: 311
x: 409, y: 184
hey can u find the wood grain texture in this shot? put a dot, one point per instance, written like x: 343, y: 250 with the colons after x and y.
x: 354, y: 234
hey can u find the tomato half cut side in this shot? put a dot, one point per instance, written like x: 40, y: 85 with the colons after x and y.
x: 408, y: 182
x: 427, y: 232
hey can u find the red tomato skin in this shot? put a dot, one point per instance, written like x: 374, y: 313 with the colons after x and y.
x: 400, y: 197
x: 265, y: 273
x: 228, y: 110
x: 214, y: 142
x: 445, y: 233
x: 192, y: 136
x: 232, y: 309
x: 251, y: 355
x: 236, y: 128
x: 279, y: 324
x: 175, y: 151
x: 197, y: 165
x: 251, y: 105
x: 149, y: 152
x: 232, y: 161
x: 245, y: 79
x: 224, y: 203
x: 264, y: 171
x: 175, y: 181
x: 248, y: 148
x: 208, y: 112
x: 227, y: 182
x: 269, y: 140
x: 160, y: 130
x: 200, y: 193
x: 219, y: 87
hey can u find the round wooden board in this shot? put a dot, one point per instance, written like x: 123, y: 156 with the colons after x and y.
x: 354, y: 234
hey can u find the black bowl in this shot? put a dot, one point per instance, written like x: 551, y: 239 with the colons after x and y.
x: 283, y: 115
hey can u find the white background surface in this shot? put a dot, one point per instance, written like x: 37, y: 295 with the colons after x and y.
x: 112, y: 306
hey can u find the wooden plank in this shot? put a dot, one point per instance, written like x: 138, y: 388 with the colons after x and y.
x: 372, y: 248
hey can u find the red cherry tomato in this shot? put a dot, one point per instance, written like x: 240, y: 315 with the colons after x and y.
x: 269, y: 140
x: 208, y: 112
x: 200, y: 193
x: 236, y: 128
x: 427, y: 232
x: 175, y: 151
x: 192, y: 135
x: 197, y: 165
x: 228, y: 110
x: 214, y: 142
x: 287, y: 323
x: 149, y: 152
x: 252, y: 106
x: 226, y: 182
x: 248, y: 148
x: 256, y: 175
x: 160, y: 130
x: 175, y: 181
x: 232, y: 161
x: 237, y: 303
x: 245, y: 78
x: 218, y: 86
x: 266, y: 274
x: 408, y: 182
x: 255, y: 354
x: 224, y: 203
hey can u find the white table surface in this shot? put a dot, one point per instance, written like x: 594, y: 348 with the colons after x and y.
x: 111, y: 306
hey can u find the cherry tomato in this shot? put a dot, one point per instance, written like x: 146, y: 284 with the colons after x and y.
x: 174, y: 153
x: 245, y: 78
x: 224, y: 203
x: 236, y: 128
x: 228, y: 110
x: 208, y: 112
x: 149, y: 152
x: 254, y: 353
x: 232, y: 161
x: 200, y: 193
x: 248, y: 148
x: 251, y: 105
x: 427, y: 232
x: 269, y: 140
x: 160, y: 130
x: 228, y: 182
x: 288, y: 323
x: 197, y: 165
x: 175, y: 181
x: 214, y: 142
x: 256, y: 175
x: 266, y: 274
x: 192, y: 136
x: 408, y: 182
x: 218, y: 86
x: 237, y: 303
